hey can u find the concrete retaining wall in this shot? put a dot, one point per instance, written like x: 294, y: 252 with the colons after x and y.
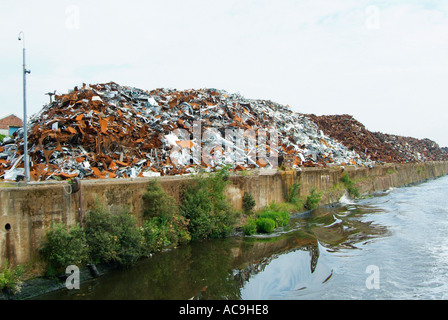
x: 26, y: 211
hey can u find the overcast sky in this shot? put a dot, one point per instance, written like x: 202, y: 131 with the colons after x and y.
x: 384, y: 62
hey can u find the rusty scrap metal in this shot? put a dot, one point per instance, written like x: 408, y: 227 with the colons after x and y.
x: 112, y: 131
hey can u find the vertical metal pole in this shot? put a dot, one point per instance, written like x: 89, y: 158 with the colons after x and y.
x: 25, y: 127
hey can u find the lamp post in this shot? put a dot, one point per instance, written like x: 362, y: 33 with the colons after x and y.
x: 25, y: 128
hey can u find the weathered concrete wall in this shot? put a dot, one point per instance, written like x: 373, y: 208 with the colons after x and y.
x: 27, y: 211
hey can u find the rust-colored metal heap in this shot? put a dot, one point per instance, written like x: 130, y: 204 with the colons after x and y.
x: 113, y: 131
x: 380, y: 147
x: 353, y: 134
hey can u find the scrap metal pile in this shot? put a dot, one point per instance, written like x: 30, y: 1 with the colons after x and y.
x: 353, y: 134
x: 109, y: 131
x: 380, y: 147
x: 113, y: 131
x: 412, y: 149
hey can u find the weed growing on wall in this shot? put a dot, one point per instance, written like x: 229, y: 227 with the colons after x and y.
x: 350, y: 186
x: 248, y: 202
x: 293, y: 194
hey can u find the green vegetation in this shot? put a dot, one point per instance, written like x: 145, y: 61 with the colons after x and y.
x: 63, y: 247
x: 158, y: 203
x: 268, y: 219
x: 391, y: 171
x: 421, y: 169
x: 248, y: 202
x: 350, y: 186
x: 116, y: 238
x: 159, y: 233
x: 250, y: 227
x: 265, y: 225
x: 164, y: 226
x: 313, y: 199
x: 280, y: 217
x: 293, y: 194
x: 105, y: 238
x: 11, y: 278
x: 1, y: 137
x: 113, y: 238
x: 205, y: 206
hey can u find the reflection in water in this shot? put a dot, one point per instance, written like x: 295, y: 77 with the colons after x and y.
x: 322, y: 254
x: 256, y: 267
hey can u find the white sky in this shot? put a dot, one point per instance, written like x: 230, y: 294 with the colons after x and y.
x: 384, y: 62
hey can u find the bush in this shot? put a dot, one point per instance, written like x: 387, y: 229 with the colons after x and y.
x: 63, y: 247
x: 164, y: 226
x: 281, y: 218
x: 158, y: 203
x: 248, y: 202
x: 276, y: 213
x: 155, y: 236
x: 205, y: 206
x: 313, y: 200
x: 250, y: 227
x: 101, y: 231
x: 129, y: 238
x: 353, y: 192
x: 265, y: 225
x: 346, y: 179
x: 111, y: 238
x: 160, y: 233
x: 350, y: 186
x: 11, y: 278
x: 293, y: 194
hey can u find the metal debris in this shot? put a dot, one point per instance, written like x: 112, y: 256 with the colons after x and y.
x: 113, y: 131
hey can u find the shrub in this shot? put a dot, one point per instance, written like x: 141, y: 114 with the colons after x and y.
x: 155, y: 236
x: 206, y: 207
x: 158, y: 203
x: 178, y: 230
x: 313, y: 200
x: 111, y: 238
x: 265, y: 225
x: 248, y: 202
x: 129, y: 238
x: 101, y: 234
x: 346, y: 179
x: 281, y: 218
x: 11, y: 278
x: 350, y: 186
x: 353, y: 192
x: 250, y: 227
x: 63, y: 247
x: 293, y: 194
x: 159, y: 233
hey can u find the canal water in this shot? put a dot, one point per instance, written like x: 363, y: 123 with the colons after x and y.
x: 393, y: 245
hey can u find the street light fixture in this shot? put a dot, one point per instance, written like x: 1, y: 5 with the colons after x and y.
x: 25, y: 129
